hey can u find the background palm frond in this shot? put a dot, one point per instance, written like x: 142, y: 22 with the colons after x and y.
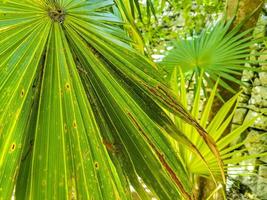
x: 217, y: 127
x: 218, y: 51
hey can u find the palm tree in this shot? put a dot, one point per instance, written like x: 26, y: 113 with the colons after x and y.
x: 79, y: 108
x: 85, y: 115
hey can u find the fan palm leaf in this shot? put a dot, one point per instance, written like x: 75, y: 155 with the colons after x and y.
x: 79, y: 108
x: 218, y: 50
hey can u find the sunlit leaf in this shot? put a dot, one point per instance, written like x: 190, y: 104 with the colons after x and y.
x: 80, y: 114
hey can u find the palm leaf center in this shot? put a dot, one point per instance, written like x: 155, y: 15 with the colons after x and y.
x: 57, y: 14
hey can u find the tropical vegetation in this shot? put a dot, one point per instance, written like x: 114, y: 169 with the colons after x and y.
x: 86, y: 113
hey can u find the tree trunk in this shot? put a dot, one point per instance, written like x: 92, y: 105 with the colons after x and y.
x: 247, y: 11
x: 243, y: 11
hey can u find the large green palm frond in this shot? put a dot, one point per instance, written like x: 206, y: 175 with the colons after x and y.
x: 79, y: 108
x: 219, y: 50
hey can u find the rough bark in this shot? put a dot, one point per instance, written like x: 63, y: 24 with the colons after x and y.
x: 247, y: 11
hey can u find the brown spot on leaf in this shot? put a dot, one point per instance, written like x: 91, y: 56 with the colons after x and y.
x: 96, y: 165
x: 13, y: 147
x: 111, y: 147
x: 74, y: 124
x: 67, y: 86
x: 22, y: 93
x: 65, y: 128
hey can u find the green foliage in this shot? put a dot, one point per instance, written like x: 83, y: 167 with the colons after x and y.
x: 165, y: 20
x: 217, y: 127
x: 85, y: 115
x: 79, y: 108
x: 218, y: 51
